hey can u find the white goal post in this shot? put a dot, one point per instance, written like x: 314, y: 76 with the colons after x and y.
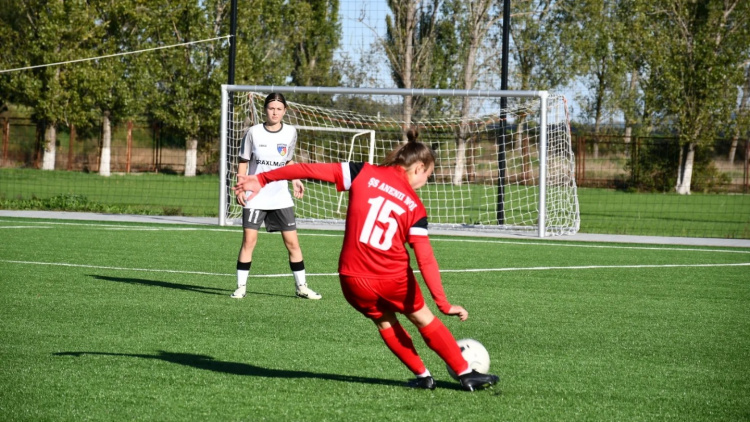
x: 509, y: 170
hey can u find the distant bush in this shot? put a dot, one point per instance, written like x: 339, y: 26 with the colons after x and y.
x: 80, y: 203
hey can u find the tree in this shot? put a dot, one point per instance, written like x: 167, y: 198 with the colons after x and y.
x: 696, y: 67
x: 741, y: 124
x: 315, y: 37
x: 542, y: 57
x: 263, y: 56
x: 45, y: 33
x: 188, y: 77
x: 631, y: 47
x: 409, y: 44
x: 539, y: 63
x: 593, y: 31
x: 468, y: 23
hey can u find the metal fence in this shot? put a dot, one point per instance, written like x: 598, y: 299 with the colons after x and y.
x: 625, y: 186
x: 137, y: 147
x: 646, y: 163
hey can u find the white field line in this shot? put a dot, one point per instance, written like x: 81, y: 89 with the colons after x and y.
x: 435, y: 240
x: 471, y: 270
x: 595, y: 246
x: 47, y: 225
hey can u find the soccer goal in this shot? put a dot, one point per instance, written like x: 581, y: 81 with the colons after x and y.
x: 510, y: 170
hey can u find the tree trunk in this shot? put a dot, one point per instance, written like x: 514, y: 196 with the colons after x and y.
x: 628, y: 119
x: 191, y: 157
x: 469, y: 79
x: 6, y: 138
x: 685, y: 171
x: 598, y: 117
x: 106, y: 154
x: 733, y: 149
x: 130, y: 146
x: 50, y: 137
x: 743, y: 109
x: 71, y: 143
x: 458, y: 173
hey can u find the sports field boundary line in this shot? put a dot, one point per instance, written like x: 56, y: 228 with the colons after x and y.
x: 319, y: 233
x: 465, y: 270
x: 213, y: 221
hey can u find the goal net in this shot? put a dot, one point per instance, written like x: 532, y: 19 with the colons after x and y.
x: 509, y: 170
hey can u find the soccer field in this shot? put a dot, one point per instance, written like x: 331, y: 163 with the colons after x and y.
x: 130, y: 321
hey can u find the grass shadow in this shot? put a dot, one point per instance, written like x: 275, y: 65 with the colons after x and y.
x: 179, y: 286
x: 208, y: 363
x: 165, y: 284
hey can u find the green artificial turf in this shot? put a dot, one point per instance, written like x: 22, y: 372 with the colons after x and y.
x: 118, y: 321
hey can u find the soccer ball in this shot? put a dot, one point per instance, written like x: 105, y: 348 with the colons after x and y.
x: 474, y: 353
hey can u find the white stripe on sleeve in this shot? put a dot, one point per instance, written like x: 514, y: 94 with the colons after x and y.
x: 418, y: 231
x: 347, y: 176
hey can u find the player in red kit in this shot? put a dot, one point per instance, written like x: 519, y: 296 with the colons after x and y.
x: 385, y: 214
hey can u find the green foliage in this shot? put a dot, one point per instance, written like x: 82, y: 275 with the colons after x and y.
x: 655, y: 167
x: 315, y: 36
x: 80, y: 203
x: 656, y: 164
x: 151, y: 194
x: 695, y: 66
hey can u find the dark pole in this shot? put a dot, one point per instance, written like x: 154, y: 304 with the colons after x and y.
x: 230, y: 81
x: 501, y: 164
x: 232, y: 41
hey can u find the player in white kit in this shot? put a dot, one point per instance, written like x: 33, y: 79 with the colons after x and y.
x: 268, y: 146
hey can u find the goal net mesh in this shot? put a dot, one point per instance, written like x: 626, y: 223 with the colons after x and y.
x: 487, y: 172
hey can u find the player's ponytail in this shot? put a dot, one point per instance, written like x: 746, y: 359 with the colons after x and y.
x: 410, y: 152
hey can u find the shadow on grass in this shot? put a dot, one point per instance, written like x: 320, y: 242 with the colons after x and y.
x: 236, y: 368
x: 156, y: 283
x: 178, y: 286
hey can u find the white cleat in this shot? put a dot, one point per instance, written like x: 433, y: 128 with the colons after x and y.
x: 305, y: 293
x: 239, y: 293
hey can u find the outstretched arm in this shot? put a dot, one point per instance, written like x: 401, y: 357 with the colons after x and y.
x: 326, y: 172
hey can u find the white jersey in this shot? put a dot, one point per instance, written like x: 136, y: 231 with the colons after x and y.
x: 264, y: 150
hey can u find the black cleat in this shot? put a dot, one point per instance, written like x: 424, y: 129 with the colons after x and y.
x: 474, y: 380
x: 427, y: 383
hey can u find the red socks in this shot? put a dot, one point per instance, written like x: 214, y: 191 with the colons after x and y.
x: 399, y: 341
x: 439, y: 338
x: 436, y: 336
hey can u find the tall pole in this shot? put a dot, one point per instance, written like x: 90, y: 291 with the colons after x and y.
x: 226, y: 179
x: 501, y: 162
x: 232, y: 41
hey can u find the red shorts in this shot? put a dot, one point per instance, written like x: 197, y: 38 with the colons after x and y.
x: 373, y: 296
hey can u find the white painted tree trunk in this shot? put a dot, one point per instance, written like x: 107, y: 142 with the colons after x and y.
x: 50, y: 137
x: 458, y: 172
x: 628, y: 133
x: 105, y: 165
x: 685, y: 171
x: 191, y: 157
x: 733, y: 149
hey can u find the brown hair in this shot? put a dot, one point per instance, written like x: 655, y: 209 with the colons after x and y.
x: 274, y: 96
x: 410, y: 152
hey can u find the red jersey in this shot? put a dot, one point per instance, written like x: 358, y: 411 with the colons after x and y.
x: 384, y: 214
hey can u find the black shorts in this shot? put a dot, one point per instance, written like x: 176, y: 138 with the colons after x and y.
x: 275, y: 220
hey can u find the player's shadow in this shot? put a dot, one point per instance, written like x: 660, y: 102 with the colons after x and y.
x: 237, y: 368
x: 165, y: 284
x: 178, y: 286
